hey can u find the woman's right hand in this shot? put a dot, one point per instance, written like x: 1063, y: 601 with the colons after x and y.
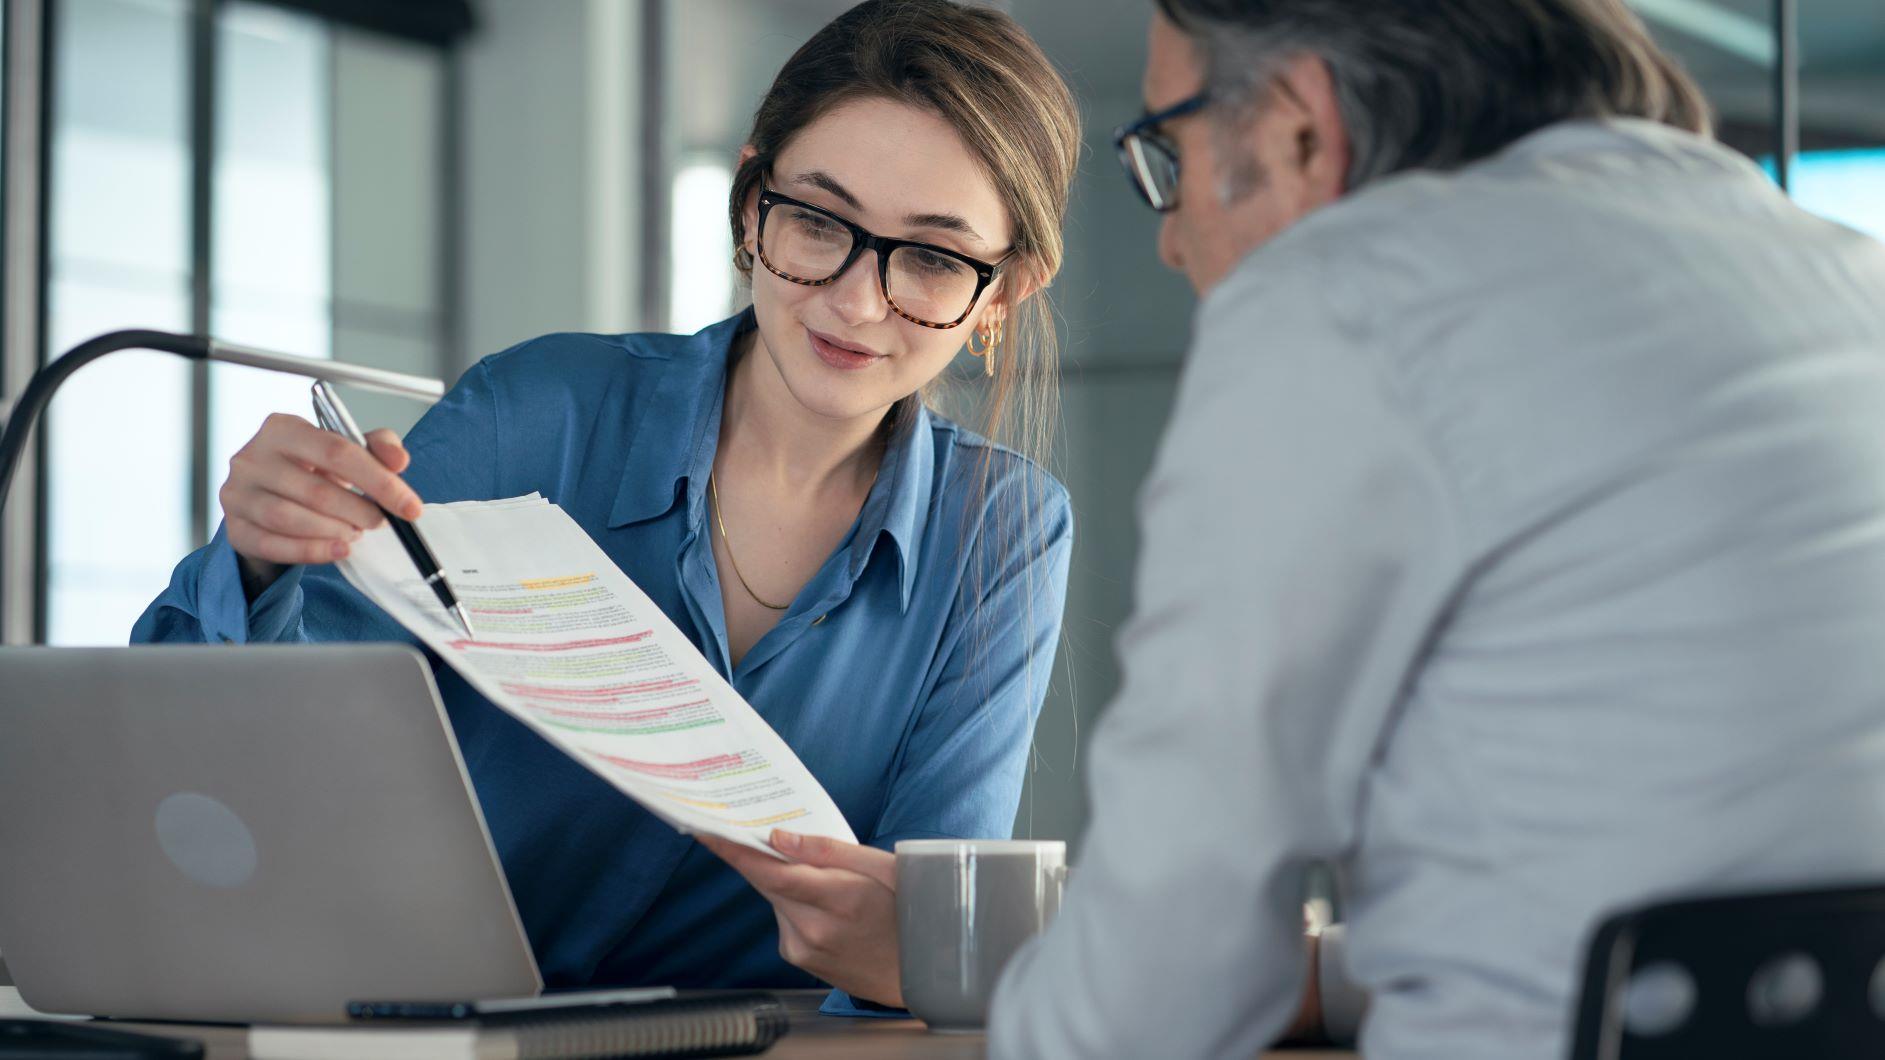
x: 286, y: 500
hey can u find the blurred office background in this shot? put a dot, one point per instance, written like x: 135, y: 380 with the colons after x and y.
x: 416, y: 183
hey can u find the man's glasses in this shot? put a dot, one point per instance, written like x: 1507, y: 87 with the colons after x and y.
x: 923, y: 283
x: 1150, y: 159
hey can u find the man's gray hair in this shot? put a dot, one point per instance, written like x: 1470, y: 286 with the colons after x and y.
x: 1437, y: 84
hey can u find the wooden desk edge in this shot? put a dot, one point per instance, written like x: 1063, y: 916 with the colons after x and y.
x: 812, y: 1036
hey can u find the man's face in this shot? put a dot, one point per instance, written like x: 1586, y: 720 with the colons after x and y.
x: 1238, y: 185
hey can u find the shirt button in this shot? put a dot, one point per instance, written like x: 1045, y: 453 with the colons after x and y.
x: 819, y: 619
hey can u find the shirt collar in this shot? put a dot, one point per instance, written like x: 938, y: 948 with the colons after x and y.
x: 898, y: 505
x: 678, y: 426
x: 679, y: 430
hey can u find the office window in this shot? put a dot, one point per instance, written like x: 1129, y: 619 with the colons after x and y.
x: 701, y: 288
x: 325, y: 228
x: 707, y: 110
x: 271, y: 220
x: 118, y: 433
x: 1840, y: 172
x: 1847, y: 186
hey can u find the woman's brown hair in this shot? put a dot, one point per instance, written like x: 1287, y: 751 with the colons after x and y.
x: 981, y: 72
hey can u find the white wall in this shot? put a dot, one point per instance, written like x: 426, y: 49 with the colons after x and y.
x: 549, y: 220
x: 1126, y: 321
x: 388, y: 270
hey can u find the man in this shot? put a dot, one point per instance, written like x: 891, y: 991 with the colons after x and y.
x: 1518, y: 543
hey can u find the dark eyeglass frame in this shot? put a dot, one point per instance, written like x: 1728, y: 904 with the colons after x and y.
x: 862, y: 239
x: 1145, y: 130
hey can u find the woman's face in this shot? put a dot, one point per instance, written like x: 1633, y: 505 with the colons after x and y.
x: 903, y: 173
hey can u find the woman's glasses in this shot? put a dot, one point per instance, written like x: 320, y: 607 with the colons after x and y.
x: 923, y: 283
x: 1150, y: 159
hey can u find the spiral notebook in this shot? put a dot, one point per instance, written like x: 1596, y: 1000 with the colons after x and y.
x: 740, y: 1024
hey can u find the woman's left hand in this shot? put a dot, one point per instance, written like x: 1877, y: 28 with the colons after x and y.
x: 837, y: 908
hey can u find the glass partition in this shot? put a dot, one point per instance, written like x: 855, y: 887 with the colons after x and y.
x: 327, y: 172
x: 272, y: 216
x: 1840, y: 172
x: 118, y: 435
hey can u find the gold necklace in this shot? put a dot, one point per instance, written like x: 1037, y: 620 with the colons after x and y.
x: 713, y: 489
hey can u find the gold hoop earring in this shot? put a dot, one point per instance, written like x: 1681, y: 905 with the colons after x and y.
x: 988, y: 347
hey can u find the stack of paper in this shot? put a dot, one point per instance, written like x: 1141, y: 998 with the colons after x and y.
x: 571, y: 647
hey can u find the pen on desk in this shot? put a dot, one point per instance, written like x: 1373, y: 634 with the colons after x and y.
x: 335, y: 417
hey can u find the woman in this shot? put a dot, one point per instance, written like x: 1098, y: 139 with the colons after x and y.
x: 884, y: 587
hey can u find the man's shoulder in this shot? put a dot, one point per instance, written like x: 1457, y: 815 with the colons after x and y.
x: 1409, y: 239
x: 1574, y: 214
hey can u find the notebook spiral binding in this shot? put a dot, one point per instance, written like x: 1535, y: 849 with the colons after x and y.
x: 730, y: 1025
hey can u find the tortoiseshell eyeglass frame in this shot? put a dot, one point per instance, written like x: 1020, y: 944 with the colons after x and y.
x: 863, y: 239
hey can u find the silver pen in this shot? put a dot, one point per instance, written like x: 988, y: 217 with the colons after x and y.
x: 335, y: 417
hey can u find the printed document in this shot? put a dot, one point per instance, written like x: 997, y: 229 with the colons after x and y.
x: 568, y: 645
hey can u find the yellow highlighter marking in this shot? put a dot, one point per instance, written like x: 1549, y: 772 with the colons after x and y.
x: 558, y: 583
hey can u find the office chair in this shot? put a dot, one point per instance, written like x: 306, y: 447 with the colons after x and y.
x: 1798, y: 975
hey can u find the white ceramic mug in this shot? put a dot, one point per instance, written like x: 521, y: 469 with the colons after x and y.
x: 964, y: 906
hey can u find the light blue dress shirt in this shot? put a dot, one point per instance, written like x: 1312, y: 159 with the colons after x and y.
x: 907, y: 674
x: 1518, y: 544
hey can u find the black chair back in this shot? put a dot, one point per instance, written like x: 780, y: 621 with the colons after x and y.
x: 1795, y: 975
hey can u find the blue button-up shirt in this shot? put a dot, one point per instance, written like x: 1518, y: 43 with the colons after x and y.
x: 907, y: 674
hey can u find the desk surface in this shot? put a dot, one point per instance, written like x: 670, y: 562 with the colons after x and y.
x: 813, y: 1037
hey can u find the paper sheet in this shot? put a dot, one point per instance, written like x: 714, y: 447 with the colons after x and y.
x: 568, y: 645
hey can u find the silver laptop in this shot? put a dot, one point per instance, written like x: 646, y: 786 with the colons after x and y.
x: 242, y: 834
